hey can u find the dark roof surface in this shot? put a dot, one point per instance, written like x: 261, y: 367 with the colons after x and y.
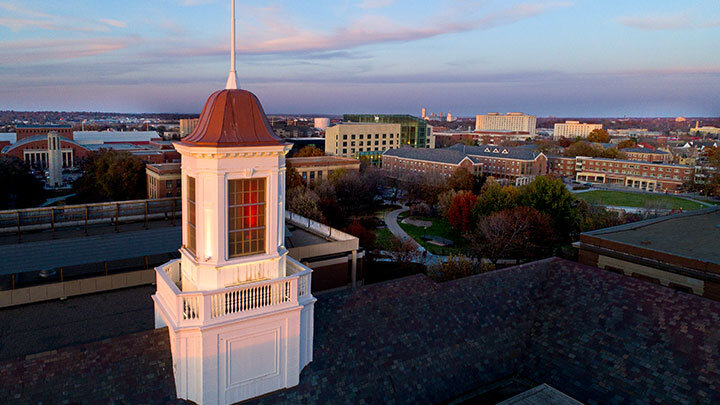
x: 431, y: 155
x: 232, y: 118
x: 646, y: 150
x: 599, y: 337
x: 700, y: 230
x: 518, y: 152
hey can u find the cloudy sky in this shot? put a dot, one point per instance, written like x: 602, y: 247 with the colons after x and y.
x: 561, y: 58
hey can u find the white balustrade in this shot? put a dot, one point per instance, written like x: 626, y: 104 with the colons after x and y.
x: 206, y: 307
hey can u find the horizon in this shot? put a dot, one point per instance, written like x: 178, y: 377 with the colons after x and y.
x: 546, y: 58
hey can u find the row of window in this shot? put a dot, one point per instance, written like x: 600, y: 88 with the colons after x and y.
x: 369, y: 136
x: 246, y: 216
x: 369, y: 143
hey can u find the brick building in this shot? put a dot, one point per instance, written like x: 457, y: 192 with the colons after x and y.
x: 321, y: 167
x: 648, y: 155
x: 651, y: 250
x: 163, y: 180
x: 661, y: 177
x: 513, y: 165
x: 443, y: 161
x: 27, y: 131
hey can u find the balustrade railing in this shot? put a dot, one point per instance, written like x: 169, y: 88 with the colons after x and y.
x: 203, y: 307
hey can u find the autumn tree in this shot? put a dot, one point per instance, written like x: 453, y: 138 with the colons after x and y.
x: 110, y: 175
x: 628, y: 143
x: 468, y: 142
x: 293, y: 179
x: 599, y: 136
x: 612, y: 153
x: 366, y: 237
x: 461, y: 179
x: 493, y: 198
x: 309, y: 151
x: 19, y: 188
x: 518, y: 233
x: 550, y: 197
x: 303, y: 201
x: 564, y: 142
x: 460, y: 212
x: 456, y: 266
x: 445, y: 201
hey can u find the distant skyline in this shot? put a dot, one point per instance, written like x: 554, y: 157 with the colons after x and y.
x: 580, y: 58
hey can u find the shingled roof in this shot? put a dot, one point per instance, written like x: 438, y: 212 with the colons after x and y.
x: 599, y: 337
x: 646, y: 150
x: 446, y: 155
x: 517, y: 152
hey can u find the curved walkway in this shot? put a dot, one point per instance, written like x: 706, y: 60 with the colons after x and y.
x: 393, y: 226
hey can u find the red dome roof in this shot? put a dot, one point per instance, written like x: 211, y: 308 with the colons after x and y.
x: 232, y: 118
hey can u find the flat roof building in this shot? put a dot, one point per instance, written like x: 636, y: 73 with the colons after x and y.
x: 574, y: 129
x: 414, y: 132
x: 514, y: 122
x: 680, y: 251
x: 362, y: 140
x: 321, y: 167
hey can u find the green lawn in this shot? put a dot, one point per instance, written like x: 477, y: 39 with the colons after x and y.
x: 440, y: 227
x: 384, y: 238
x: 619, y: 198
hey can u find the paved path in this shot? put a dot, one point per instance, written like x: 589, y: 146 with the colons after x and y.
x: 393, y: 226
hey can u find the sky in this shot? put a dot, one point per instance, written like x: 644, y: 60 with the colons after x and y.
x: 583, y: 58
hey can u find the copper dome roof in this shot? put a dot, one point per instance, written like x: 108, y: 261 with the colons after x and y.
x: 232, y: 118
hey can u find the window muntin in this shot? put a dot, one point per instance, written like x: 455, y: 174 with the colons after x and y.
x: 191, y: 222
x: 246, y: 217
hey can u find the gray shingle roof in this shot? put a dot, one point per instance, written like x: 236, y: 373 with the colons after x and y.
x: 646, y: 150
x: 446, y: 155
x: 518, y: 152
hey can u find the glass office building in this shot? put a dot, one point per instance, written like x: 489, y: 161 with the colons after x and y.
x: 414, y: 131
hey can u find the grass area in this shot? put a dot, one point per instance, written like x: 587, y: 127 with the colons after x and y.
x: 440, y: 227
x: 619, y: 198
x: 384, y: 238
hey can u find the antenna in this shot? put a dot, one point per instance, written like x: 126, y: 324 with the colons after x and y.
x: 232, y: 77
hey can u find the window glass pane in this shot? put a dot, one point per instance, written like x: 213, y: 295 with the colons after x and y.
x: 191, y: 214
x: 246, y: 217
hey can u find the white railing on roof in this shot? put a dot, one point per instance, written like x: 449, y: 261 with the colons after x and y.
x: 316, y: 227
x: 207, y: 307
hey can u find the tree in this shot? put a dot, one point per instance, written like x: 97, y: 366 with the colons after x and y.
x: 550, y: 197
x: 545, y: 146
x: 461, y: 179
x: 493, y: 198
x: 303, y: 201
x: 456, y: 267
x: 460, y: 212
x: 628, y: 143
x: 309, y: 151
x: 468, y: 142
x: 19, y: 188
x: 564, y: 142
x: 518, y: 233
x: 367, y: 237
x: 445, y: 201
x: 582, y: 148
x: 433, y: 185
x: 293, y: 179
x: 599, y: 136
x: 110, y: 175
x: 612, y: 153
x: 404, y: 251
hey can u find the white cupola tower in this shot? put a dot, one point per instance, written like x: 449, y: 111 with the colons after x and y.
x: 239, y: 311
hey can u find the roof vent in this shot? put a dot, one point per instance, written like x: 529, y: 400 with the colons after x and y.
x: 487, y: 149
x: 495, y: 150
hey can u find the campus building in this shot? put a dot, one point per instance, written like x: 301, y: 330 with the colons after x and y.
x: 163, y: 180
x: 678, y: 251
x: 414, y: 132
x: 187, y: 125
x: 574, y: 129
x: 512, y: 122
x: 425, y: 161
x: 659, y: 177
x: 361, y: 140
x: 648, y: 155
x: 512, y: 165
x: 321, y: 167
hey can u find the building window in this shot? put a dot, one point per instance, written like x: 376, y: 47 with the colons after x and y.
x: 246, y: 217
x: 191, y: 214
x: 168, y: 184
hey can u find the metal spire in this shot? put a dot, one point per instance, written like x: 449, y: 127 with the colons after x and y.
x: 232, y: 77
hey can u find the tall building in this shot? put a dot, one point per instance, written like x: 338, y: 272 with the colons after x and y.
x: 516, y: 122
x: 321, y: 123
x: 187, y: 125
x: 423, y: 113
x: 357, y: 140
x: 574, y: 129
x: 414, y: 131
